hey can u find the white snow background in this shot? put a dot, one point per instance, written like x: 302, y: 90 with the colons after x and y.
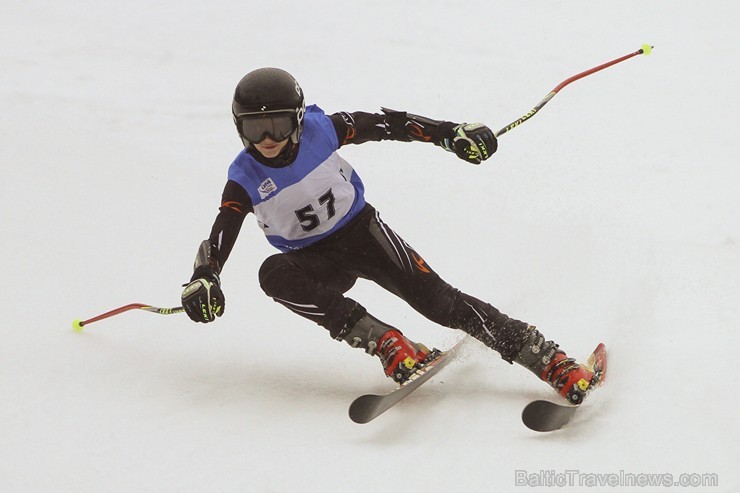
x: 611, y: 216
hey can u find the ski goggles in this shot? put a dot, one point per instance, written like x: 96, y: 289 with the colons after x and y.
x: 278, y: 125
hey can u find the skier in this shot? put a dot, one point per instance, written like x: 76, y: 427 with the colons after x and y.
x: 310, y: 204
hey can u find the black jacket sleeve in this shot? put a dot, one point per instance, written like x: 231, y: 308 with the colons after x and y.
x: 235, y: 205
x: 360, y: 127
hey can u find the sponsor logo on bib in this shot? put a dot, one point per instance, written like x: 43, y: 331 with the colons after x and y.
x: 266, y: 188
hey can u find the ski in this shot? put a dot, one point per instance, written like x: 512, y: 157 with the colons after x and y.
x: 544, y: 415
x: 541, y: 415
x: 368, y: 407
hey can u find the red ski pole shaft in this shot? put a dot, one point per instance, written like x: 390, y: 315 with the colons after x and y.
x: 644, y: 50
x: 78, y: 324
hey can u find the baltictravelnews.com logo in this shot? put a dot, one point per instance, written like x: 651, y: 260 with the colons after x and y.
x: 621, y: 479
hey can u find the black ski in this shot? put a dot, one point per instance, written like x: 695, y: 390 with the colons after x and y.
x: 542, y: 415
x: 368, y: 407
x: 547, y: 416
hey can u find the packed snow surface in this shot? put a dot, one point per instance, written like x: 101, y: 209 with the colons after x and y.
x: 612, y: 216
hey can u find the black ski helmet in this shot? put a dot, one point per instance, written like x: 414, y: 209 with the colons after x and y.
x: 268, y: 102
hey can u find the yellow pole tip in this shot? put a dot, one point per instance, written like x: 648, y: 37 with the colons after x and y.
x: 77, y: 325
x: 647, y: 49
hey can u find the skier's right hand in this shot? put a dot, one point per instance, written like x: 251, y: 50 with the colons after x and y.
x: 202, y: 298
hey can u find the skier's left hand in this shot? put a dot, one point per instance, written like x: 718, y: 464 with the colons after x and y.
x: 473, y: 142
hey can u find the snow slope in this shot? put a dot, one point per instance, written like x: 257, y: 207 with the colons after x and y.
x: 610, y: 216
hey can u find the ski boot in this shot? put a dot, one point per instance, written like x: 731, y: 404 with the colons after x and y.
x: 400, y: 356
x: 545, y: 359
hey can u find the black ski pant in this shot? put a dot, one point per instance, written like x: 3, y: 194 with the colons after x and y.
x: 312, y: 282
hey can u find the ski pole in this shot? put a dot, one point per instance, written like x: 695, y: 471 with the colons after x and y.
x: 79, y: 324
x: 646, y: 49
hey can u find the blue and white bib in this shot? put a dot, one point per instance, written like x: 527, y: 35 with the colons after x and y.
x: 311, y: 198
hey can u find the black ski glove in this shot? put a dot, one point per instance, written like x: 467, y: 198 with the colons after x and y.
x: 202, y: 298
x: 473, y: 142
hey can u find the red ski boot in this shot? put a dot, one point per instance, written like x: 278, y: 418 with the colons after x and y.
x: 400, y: 356
x: 570, y: 379
x: 546, y: 360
